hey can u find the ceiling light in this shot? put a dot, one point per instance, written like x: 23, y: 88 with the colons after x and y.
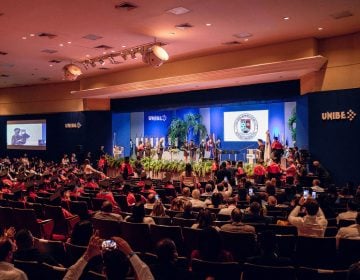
x: 320, y: 28
x: 71, y: 72
x: 32, y: 35
x: 69, y: 42
x: 61, y: 45
x: 24, y: 38
x: 155, y: 56
x: 88, y: 55
x: 51, y: 65
x: 286, y: 18
x: 101, y: 61
x: 178, y: 11
x: 208, y: 24
x: 246, y: 39
x: 123, y: 46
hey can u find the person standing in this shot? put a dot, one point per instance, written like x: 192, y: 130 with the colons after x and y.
x: 185, y: 149
x: 261, y: 148
x: 277, y: 148
x: 140, y: 150
x: 160, y: 148
x: 147, y: 149
x: 131, y: 147
x: 192, y: 149
x: 202, y: 148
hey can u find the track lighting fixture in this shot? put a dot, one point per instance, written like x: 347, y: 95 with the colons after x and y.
x: 71, y: 72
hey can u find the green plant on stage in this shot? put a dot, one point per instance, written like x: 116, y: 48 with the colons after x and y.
x: 179, y: 129
x: 249, y: 169
x: 292, y: 124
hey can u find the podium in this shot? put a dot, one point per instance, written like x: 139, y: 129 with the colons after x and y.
x: 252, y: 155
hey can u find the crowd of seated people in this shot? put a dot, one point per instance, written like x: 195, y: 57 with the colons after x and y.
x: 145, y: 200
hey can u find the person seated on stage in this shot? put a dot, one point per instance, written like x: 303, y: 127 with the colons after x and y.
x: 126, y: 169
x: 26, y: 250
x: 351, y: 213
x: 196, y: 202
x: 188, y: 178
x: 106, y: 213
x: 313, y: 223
x: 349, y: 232
x: 138, y: 215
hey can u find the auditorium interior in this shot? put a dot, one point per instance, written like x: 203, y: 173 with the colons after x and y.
x: 138, y: 139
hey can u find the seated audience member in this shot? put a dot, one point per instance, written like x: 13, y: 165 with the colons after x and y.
x: 177, y: 204
x: 268, y: 255
x: 105, y: 193
x: 208, y: 191
x: 158, y: 210
x: 313, y: 223
x: 204, y: 220
x: 138, y: 215
x: 148, y: 187
x: 236, y: 224
x: 185, y: 194
x: 130, y: 197
x: 316, y: 186
x: 196, y: 202
x: 354, y: 272
x: 225, y: 189
x: 7, y: 269
x: 351, y: 213
x: 188, y: 212
x: 350, y: 232
x: 231, y: 205
x: 271, y: 203
x: 126, y: 169
x: 26, y: 250
x: 166, y: 268
x: 116, y: 261
x: 216, y: 201
x: 242, y: 194
x: 211, y: 247
x: 150, y: 201
x: 81, y: 233
x: 106, y: 213
x: 255, y: 214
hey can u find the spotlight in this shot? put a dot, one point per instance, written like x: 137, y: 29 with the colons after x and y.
x: 155, y: 56
x: 71, y: 72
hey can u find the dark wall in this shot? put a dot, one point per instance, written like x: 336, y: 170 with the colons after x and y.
x: 251, y: 93
x: 336, y: 142
x: 95, y: 131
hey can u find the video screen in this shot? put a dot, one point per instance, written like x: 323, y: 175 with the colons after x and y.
x: 26, y: 134
x: 245, y: 126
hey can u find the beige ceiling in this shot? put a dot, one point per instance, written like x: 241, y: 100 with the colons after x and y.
x: 25, y: 62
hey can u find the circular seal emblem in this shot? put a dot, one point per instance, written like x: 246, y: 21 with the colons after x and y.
x: 246, y: 126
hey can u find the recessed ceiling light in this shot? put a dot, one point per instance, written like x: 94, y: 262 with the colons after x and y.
x: 246, y: 39
x: 51, y: 65
x: 320, y: 28
x: 171, y: 33
x: 104, y: 52
x: 24, y: 38
x: 61, y: 45
x: 69, y: 42
x: 123, y: 46
x: 178, y: 11
x: 32, y: 35
x: 286, y: 18
x: 88, y: 55
x: 112, y: 51
x: 208, y: 24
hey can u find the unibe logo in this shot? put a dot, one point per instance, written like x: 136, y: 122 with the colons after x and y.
x: 341, y: 115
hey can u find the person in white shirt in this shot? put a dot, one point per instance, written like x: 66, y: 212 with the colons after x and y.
x: 316, y: 186
x: 7, y: 269
x: 351, y: 213
x: 225, y: 189
x: 231, y: 206
x: 351, y: 232
x: 195, y: 201
x: 314, y: 223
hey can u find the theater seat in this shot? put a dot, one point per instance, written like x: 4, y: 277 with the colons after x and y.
x: 159, y: 232
x: 349, y: 251
x: 106, y: 228
x: 219, y: 270
x: 256, y: 272
x: 137, y: 235
x: 55, y: 249
x: 307, y: 273
x: 31, y: 269
x: 241, y: 245
x: 52, y: 272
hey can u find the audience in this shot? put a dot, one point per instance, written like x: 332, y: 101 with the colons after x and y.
x: 255, y: 214
x: 196, y: 202
x: 158, y: 209
x: 351, y: 232
x: 351, y: 213
x: 138, y: 215
x: 106, y: 213
x: 187, y: 213
x: 204, y: 220
x: 313, y: 223
x: 236, y: 224
x: 231, y: 205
